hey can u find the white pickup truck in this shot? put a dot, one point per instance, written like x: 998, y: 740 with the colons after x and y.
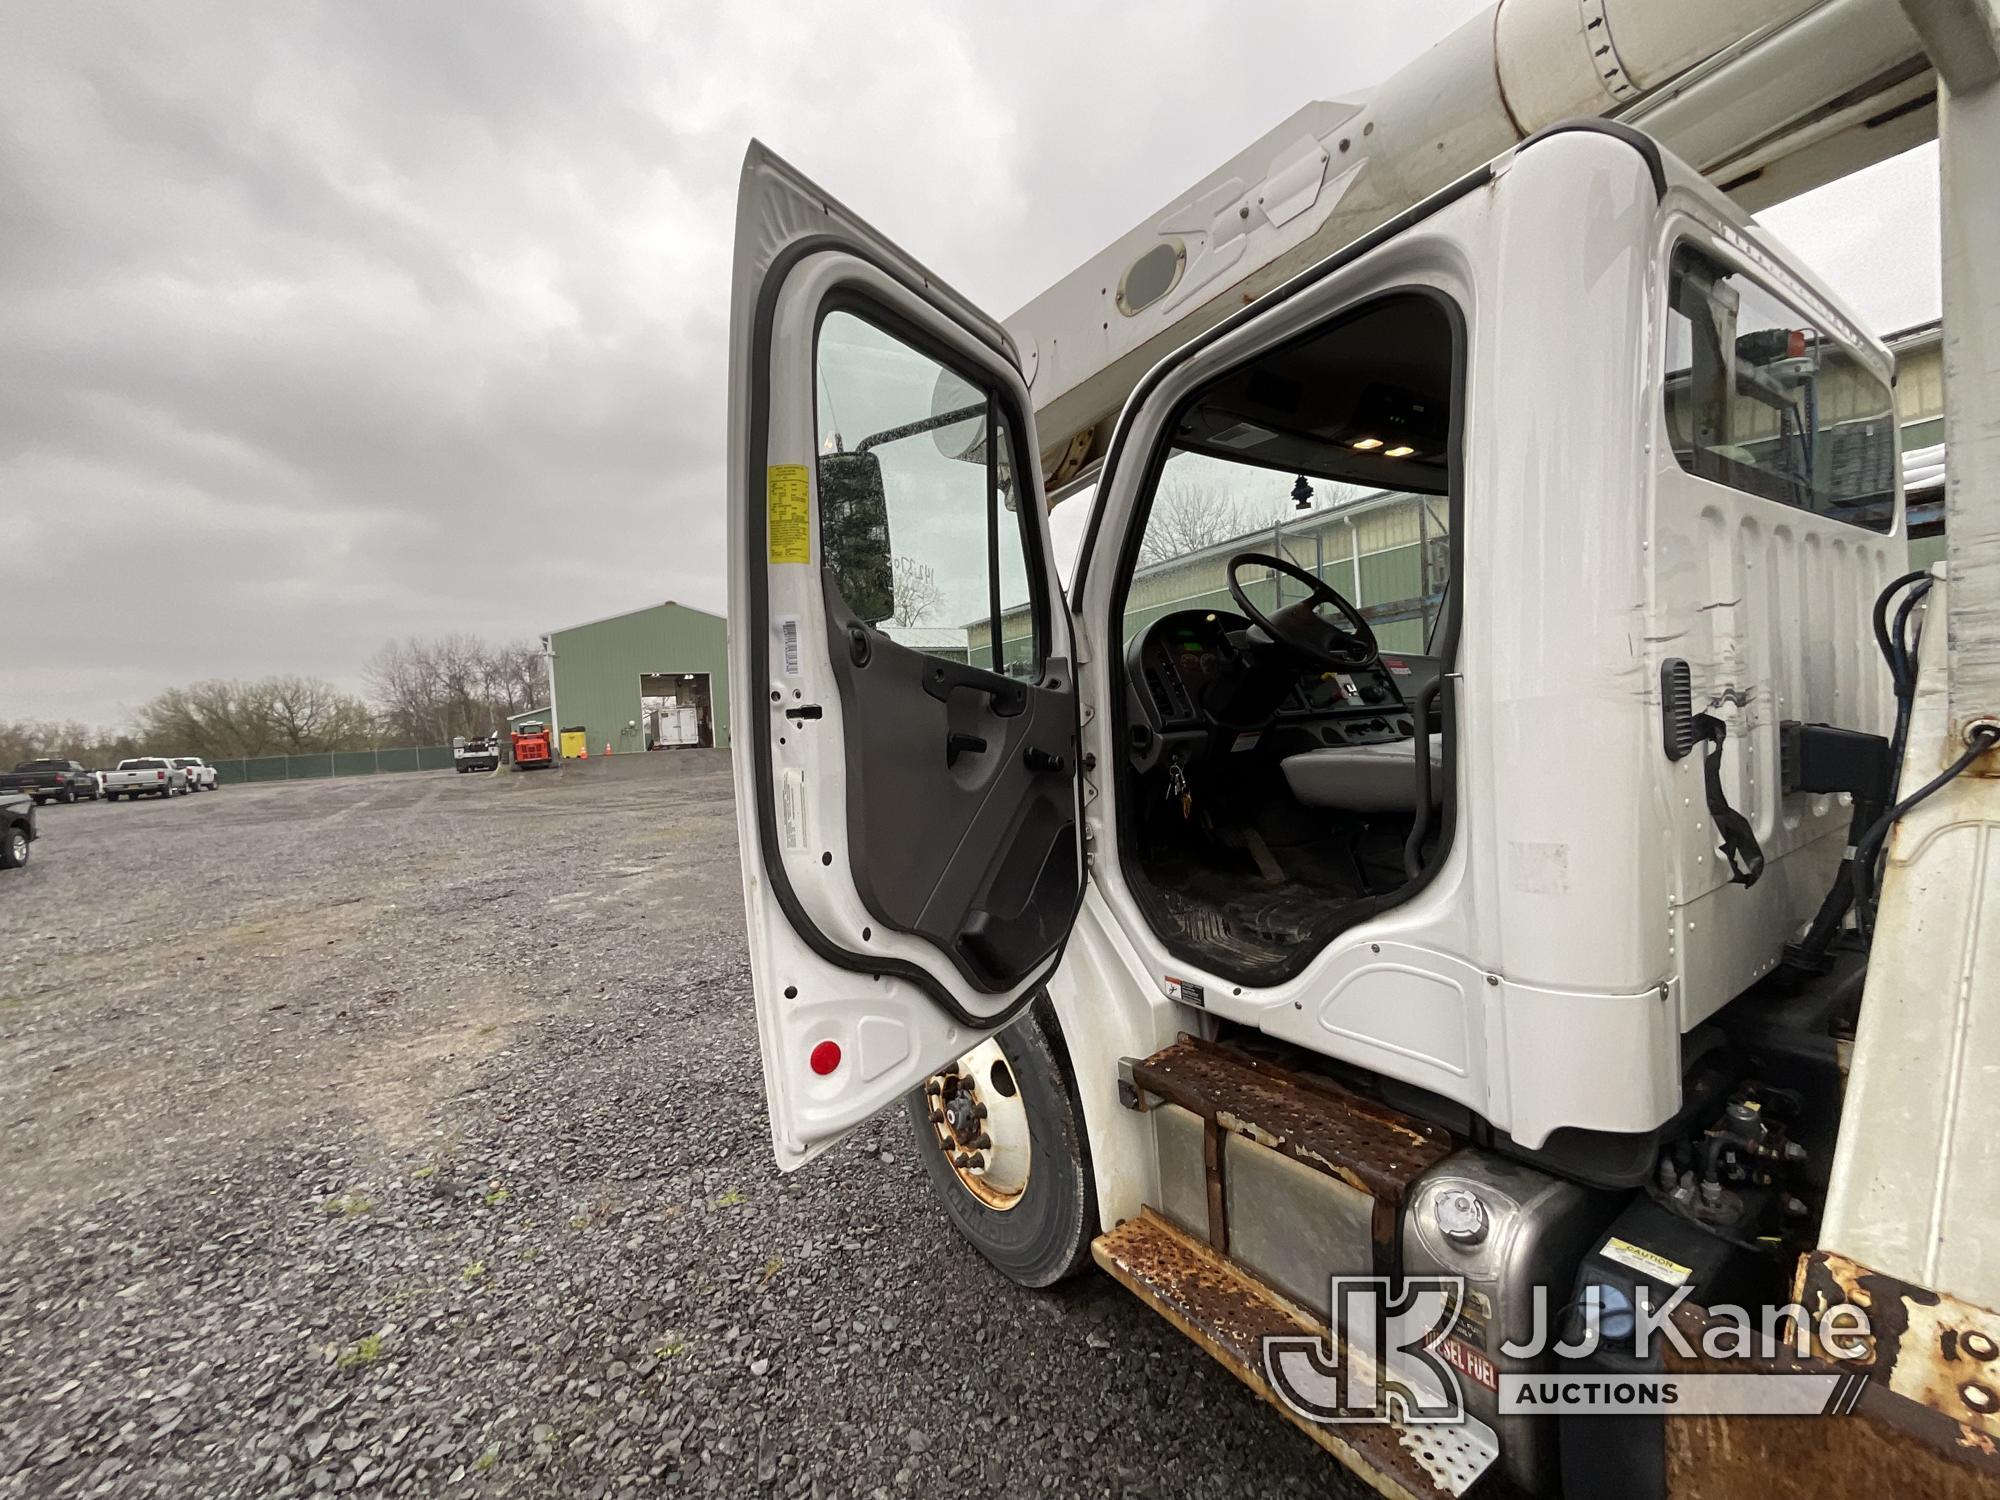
x: 200, y: 774
x: 145, y: 776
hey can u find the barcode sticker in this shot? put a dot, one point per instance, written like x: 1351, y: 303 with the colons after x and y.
x: 788, y: 632
x: 792, y: 809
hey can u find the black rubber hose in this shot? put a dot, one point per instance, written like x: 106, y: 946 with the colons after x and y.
x: 1869, y: 847
x: 1882, y: 611
x: 1903, y: 677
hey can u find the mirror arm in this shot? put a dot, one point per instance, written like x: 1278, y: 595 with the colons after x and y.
x: 914, y: 429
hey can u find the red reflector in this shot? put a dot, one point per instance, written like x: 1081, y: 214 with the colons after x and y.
x: 160, y: 775
x: 825, y: 1058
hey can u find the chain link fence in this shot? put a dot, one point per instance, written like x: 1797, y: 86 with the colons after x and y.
x: 319, y: 766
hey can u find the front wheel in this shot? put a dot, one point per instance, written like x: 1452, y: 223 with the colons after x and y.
x: 1001, y: 1134
x: 14, y: 853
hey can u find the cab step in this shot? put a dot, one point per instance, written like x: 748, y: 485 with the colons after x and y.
x: 1229, y: 1313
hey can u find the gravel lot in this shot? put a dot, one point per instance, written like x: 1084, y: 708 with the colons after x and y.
x: 405, y: 1135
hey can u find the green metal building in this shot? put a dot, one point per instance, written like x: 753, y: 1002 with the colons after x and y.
x: 652, y: 678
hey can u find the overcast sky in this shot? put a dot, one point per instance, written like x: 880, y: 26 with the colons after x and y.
x: 321, y: 324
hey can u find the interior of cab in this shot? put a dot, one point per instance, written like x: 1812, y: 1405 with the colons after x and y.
x: 1288, y: 622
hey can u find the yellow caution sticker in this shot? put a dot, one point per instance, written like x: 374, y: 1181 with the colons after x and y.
x: 789, y: 491
x: 1645, y: 1262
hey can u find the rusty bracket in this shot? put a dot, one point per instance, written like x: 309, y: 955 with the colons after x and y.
x: 1926, y: 1346
x: 1130, y: 1095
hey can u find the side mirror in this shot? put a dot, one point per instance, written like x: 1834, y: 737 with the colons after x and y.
x: 854, y: 534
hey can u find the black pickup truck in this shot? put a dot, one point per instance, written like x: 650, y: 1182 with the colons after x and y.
x: 17, y: 830
x: 51, y: 781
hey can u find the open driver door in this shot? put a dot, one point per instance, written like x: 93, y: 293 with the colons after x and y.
x: 905, y: 735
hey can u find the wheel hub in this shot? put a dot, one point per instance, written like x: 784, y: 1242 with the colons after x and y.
x: 980, y: 1124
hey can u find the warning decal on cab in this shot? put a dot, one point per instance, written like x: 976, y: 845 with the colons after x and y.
x: 788, y: 489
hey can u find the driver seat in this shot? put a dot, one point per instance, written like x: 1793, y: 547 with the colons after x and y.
x: 1380, y: 777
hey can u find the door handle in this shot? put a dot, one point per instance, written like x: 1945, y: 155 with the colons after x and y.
x: 956, y: 744
x: 942, y: 678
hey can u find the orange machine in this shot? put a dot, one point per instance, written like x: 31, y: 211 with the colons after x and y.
x: 534, y: 746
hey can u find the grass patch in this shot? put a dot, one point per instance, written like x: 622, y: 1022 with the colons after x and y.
x: 347, y: 1205
x: 497, y: 1196
x: 731, y: 1199
x: 473, y: 1271
x: 363, y: 1351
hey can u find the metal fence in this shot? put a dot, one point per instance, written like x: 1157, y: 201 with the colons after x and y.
x: 334, y: 763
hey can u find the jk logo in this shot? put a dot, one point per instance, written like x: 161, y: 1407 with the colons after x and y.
x: 1386, y: 1368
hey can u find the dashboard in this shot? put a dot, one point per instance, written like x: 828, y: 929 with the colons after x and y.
x: 1184, y: 663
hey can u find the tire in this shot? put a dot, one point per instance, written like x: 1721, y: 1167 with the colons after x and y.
x: 1043, y: 1235
x: 15, y: 848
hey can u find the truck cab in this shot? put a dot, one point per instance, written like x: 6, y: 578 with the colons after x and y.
x: 1200, y: 913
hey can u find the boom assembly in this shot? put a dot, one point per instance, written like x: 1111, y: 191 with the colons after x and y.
x: 1472, y: 1020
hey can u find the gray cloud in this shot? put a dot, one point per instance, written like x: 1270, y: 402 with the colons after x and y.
x: 325, y: 323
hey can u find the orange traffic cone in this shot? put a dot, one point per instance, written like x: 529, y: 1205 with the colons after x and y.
x: 584, y: 752
x: 607, y: 747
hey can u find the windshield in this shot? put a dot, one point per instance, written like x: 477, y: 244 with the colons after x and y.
x: 1385, y: 550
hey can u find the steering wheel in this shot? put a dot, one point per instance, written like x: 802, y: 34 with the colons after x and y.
x: 1300, y: 626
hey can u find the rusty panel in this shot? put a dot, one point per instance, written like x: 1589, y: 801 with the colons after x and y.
x: 1887, y: 1445
x: 1927, y: 1347
x: 1364, y: 1144
x: 1228, y: 1313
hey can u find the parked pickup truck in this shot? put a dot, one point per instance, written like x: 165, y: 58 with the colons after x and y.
x: 17, y: 829
x: 145, y: 776
x: 50, y: 780
x: 481, y: 754
x: 200, y: 774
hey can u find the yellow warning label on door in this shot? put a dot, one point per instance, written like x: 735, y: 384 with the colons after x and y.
x: 789, y: 487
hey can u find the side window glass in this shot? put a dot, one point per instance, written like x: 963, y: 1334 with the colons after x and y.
x: 1019, y: 653
x: 1761, y: 400
x: 920, y: 524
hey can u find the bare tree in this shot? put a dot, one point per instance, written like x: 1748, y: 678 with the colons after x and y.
x: 429, y: 689
x: 35, y: 739
x: 517, y: 678
x: 1192, y: 514
x: 918, y: 596
x: 269, y: 716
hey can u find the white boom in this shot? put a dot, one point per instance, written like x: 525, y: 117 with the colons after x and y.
x: 1767, y: 97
